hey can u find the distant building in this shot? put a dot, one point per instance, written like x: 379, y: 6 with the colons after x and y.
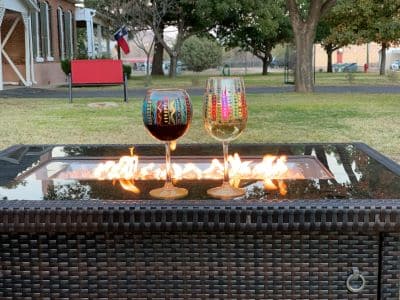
x: 359, y: 54
x: 35, y: 36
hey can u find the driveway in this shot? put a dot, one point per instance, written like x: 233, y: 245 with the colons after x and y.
x: 100, y: 92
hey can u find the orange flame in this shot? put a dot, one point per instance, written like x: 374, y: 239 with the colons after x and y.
x: 272, y: 170
x: 129, y: 185
x: 124, y: 170
x: 172, y: 145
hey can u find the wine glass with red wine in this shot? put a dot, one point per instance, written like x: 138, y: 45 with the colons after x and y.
x: 225, y: 117
x: 167, y: 114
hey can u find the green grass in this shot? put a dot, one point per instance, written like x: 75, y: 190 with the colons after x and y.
x: 272, y: 79
x: 290, y: 117
x: 251, y: 80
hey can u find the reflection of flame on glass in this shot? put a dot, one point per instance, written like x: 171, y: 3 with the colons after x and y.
x: 273, y: 167
x: 129, y: 185
x: 272, y: 185
x: 272, y: 170
x: 172, y: 145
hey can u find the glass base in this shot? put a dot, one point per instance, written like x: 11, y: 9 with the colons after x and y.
x: 169, y: 192
x: 225, y: 192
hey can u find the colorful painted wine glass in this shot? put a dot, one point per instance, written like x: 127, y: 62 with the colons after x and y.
x: 225, y: 117
x: 167, y: 114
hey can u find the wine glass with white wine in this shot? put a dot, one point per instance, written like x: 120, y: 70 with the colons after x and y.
x: 225, y: 117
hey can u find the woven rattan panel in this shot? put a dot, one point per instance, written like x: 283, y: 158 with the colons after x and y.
x: 391, y: 267
x: 187, y: 265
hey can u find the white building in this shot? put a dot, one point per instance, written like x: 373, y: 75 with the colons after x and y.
x: 97, y: 39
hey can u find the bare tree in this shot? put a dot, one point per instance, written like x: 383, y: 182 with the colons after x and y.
x: 185, y: 15
x: 156, y: 15
x: 304, y: 18
x: 142, y: 42
x: 147, y: 47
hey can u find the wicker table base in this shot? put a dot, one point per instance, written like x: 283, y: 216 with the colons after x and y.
x: 242, y: 265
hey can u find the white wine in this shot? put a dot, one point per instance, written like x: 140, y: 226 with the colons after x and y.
x: 226, y: 131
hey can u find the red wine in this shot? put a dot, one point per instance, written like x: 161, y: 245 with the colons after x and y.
x: 167, y: 132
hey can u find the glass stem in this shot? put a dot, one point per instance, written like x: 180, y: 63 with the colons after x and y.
x: 168, y: 179
x: 226, y: 165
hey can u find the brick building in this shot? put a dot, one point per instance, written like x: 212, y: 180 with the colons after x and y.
x: 35, y: 36
x: 359, y: 54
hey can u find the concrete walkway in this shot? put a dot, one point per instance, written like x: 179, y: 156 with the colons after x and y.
x: 100, y: 92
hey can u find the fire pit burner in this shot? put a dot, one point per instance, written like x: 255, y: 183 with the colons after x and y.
x: 267, y: 173
x: 298, y: 167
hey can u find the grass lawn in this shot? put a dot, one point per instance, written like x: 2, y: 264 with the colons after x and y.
x: 290, y: 117
x: 273, y: 79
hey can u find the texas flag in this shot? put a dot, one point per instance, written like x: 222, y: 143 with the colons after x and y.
x: 119, y: 36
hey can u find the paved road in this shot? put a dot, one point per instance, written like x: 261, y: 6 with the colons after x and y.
x: 100, y: 92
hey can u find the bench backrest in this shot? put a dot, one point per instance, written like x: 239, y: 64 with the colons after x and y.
x: 97, y: 71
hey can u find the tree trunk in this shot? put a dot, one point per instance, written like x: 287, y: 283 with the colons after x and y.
x: 304, y: 73
x: 266, y: 63
x: 148, y: 64
x: 304, y: 30
x: 329, y: 52
x: 382, y: 68
x: 157, y: 66
x: 172, y: 66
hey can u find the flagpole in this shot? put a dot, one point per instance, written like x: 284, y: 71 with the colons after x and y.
x: 119, y: 52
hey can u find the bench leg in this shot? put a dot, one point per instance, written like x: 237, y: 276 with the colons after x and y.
x: 125, y: 88
x: 70, y: 87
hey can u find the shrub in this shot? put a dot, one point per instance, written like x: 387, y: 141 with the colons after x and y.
x: 66, y: 66
x: 127, y: 71
x: 200, y: 54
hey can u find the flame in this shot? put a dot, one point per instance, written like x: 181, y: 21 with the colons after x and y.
x: 282, y: 187
x: 269, y: 185
x: 124, y: 170
x: 172, y: 145
x: 272, y: 170
x: 273, y: 185
x: 129, y: 185
x: 131, y: 149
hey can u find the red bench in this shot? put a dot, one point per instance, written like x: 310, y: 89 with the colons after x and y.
x: 97, y: 72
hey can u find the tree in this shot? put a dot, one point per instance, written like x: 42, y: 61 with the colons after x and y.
x: 187, y: 16
x: 370, y: 20
x: 158, y: 57
x: 115, y: 10
x: 201, y: 53
x: 385, y: 27
x: 146, y: 46
x: 120, y: 10
x: 304, y: 16
x: 256, y: 26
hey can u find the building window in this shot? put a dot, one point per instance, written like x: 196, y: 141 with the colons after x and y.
x: 45, y: 25
x: 69, y: 40
x: 36, y: 35
x: 60, y: 23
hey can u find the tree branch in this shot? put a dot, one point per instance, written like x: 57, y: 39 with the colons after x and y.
x: 326, y: 6
x: 294, y: 13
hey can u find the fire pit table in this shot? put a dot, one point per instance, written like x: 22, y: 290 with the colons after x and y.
x: 73, y: 226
